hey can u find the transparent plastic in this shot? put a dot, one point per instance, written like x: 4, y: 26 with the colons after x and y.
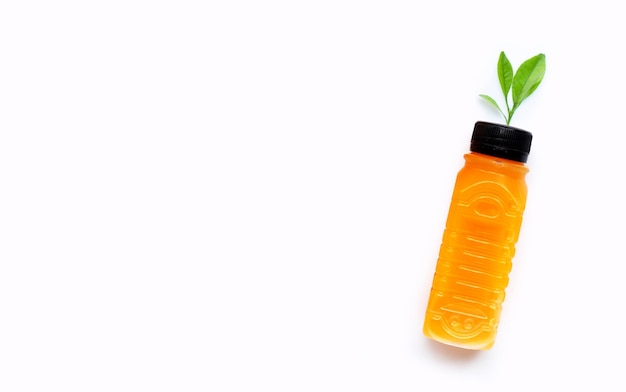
x: 476, y: 254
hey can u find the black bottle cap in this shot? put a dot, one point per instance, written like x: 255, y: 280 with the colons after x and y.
x: 501, y: 141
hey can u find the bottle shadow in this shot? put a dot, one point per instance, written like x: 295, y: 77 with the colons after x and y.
x: 451, y: 353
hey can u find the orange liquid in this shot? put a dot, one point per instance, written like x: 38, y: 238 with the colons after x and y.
x: 475, y: 257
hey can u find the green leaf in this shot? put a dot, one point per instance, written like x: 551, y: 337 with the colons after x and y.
x: 505, y: 74
x: 527, y: 78
x: 495, y: 104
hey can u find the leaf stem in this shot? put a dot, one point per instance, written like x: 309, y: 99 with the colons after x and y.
x: 508, y: 110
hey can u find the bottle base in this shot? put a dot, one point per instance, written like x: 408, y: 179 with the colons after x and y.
x: 460, y: 342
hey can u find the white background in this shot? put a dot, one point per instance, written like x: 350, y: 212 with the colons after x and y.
x: 248, y: 195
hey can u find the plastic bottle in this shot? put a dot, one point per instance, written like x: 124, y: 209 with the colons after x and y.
x: 479, y: 240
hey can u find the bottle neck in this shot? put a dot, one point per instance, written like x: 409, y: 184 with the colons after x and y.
x: 491, y: 163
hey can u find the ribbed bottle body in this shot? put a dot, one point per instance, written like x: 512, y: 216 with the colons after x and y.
x: 476, y: 253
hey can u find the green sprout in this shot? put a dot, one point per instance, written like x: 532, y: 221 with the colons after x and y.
x: 526, y: 80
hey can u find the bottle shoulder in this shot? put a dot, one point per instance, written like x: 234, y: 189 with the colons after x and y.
x: 500, y: 166
x: 483, y: 175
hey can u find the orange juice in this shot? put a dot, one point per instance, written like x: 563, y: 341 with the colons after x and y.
x: 478, y: 244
